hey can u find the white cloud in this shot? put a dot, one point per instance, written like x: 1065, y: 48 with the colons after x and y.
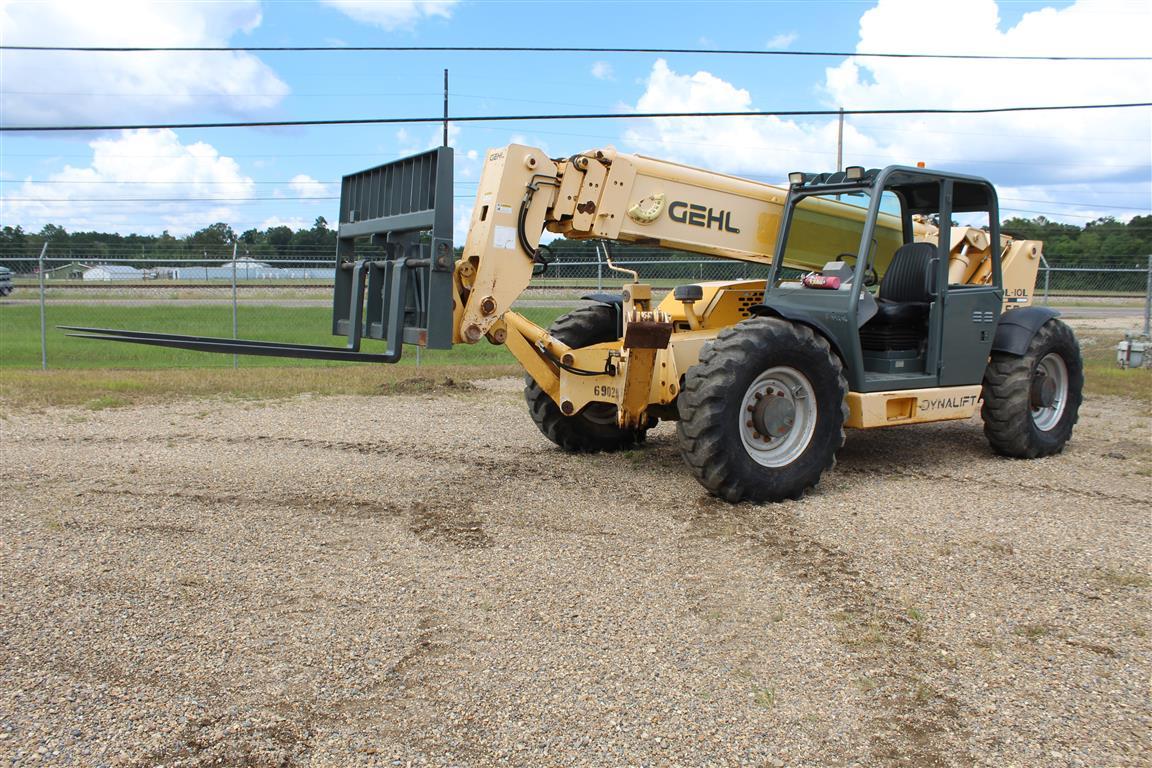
x: 762, y: 147
x: 414, y: 143
x: 1068, y: 152
x: 393, y: 14
x: 63, y: 87
x: 602, y: 70
x: 293, y: 222
x: 463, y: 212
x: 782, y: 40
x: 1065, y: 146
x: 151, y: 166
x: 1075, y: 202
x: 306, y: 186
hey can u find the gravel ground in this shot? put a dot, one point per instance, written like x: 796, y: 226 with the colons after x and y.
x: 423, y: 580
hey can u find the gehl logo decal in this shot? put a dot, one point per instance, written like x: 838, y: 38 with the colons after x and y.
x: 701, y: 216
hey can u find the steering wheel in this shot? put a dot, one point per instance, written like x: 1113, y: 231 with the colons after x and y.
x: 870, y: 276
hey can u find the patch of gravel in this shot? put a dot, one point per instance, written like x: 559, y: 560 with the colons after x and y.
x: 421, y: 579
x: 502, y: 384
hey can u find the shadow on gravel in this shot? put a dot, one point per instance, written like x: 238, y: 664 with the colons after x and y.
x: 236, y: 740
x: 923, y: 448
x: 452, y: 525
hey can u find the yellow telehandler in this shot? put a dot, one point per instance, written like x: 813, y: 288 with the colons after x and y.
x: 878, y: 308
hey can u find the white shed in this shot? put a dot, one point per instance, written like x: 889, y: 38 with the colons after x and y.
x: 108, y: 272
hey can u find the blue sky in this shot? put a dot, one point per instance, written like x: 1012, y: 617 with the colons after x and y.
x: 1067, y: 166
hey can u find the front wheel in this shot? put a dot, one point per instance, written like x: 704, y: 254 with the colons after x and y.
x: 1031, y: 402
x: 762, y: 414
x: 594, y: 428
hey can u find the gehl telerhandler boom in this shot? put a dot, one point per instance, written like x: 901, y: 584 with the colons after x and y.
x: 897, y: 321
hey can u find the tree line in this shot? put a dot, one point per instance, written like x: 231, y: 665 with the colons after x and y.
x: 213, y: 242
x: 1103, y: 241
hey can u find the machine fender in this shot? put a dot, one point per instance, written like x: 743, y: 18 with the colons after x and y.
x: 805, y: 318
x: 1016, y: 328
x: 604, y: 298
x: 614, y: 300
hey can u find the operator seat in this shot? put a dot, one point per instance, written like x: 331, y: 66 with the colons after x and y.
x: 902, y: 302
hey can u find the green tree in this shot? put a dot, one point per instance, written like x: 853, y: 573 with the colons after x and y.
x: 13, y: 243
x: 212, y: 239
x: 280, y: 238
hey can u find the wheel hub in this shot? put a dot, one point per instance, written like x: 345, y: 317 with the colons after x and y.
x: 774, y: 413
x: 1048, y: 392
x: 778, y: 416
x: 1043, y: 390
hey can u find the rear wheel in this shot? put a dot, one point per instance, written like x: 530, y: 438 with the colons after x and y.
x: 762, y: 414
x: 593, y: 428
x: 1032, y: 402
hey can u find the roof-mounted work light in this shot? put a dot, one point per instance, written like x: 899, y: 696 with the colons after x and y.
x: 854, y: 172
x: 796, y: 177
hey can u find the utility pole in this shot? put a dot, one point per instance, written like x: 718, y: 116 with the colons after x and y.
x: 840, y: 143
x: 43, y: 321
x: 445, y: 107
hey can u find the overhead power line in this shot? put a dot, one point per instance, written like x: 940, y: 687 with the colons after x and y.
x: 169, y: 199
x: 589, y: 116
x: 550, y: 49
x: 286, y: 198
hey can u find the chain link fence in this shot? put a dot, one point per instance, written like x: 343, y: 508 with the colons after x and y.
x: 227, y: 293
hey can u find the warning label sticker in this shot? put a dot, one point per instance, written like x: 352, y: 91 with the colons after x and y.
x: 504, y: 238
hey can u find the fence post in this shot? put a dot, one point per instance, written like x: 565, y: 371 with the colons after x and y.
x: 1148, y: 301
x: 1047, y: 274
x: 43, y: 321
x: 235, y: 358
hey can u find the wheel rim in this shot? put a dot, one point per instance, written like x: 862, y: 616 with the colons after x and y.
x: 778, y: 416
x: 1049, y: 391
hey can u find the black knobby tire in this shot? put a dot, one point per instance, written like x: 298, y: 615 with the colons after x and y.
x: 1017, y: 423
x: 594, y: 428
x: 715, y: 427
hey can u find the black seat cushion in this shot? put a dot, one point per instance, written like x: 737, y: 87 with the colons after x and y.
x: 901, y: 318
x: 907, y: 276
x: 900, y: 313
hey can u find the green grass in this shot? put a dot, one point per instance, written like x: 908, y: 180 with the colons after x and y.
x: 1101, y: 374
x: 86, y: 372
x: 20, y: 337
x: 1117, y: 578
x: 97, y: 375
x: 106, y: 401
x: 1032, y: 631
x: 764, y: 697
